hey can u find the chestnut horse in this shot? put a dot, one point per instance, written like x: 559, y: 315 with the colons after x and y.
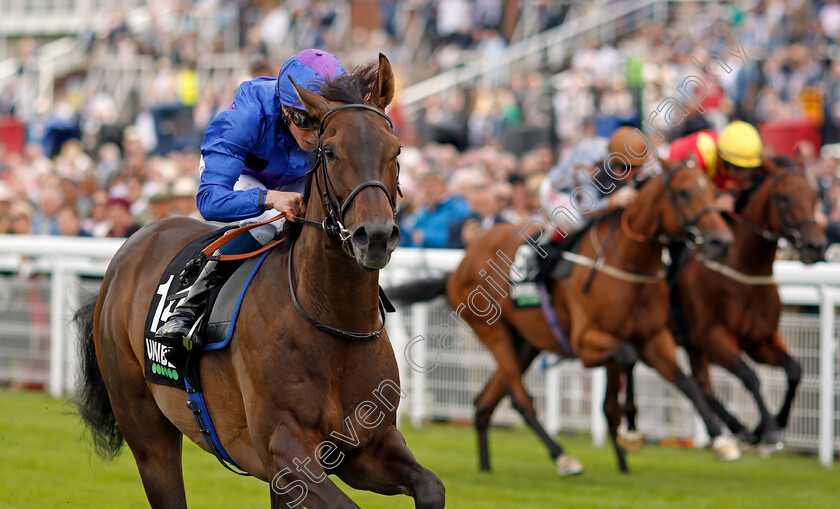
x: 291, y: 402
x: 734, y: 306
x: 621, y: 316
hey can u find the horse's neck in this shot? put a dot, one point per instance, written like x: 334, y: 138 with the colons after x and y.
x: 643, y: 219
x: 331, y: 286
x: 752, y: 253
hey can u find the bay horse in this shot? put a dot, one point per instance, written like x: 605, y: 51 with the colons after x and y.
x: 610, y: 318
x: 284, y: 390
x: 733, y: 306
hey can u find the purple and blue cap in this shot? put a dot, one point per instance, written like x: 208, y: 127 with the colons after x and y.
x: 309, y: 69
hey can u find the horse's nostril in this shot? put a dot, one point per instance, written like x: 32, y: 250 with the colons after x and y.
x: 718, y: 246
x: 394, y: 239
x: 376, y: 236
x: 813, y: 251
x: 360, y: 237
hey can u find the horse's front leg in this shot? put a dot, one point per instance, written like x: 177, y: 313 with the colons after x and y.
x: 700, y: 364
x: 297, y: 478
x: 723, y: 349
x: 659, y: 352
x: 388, y: 467
x: 489, y: 398
x: 774, y: 352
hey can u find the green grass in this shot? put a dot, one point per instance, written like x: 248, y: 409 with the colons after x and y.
x: 46, y: 463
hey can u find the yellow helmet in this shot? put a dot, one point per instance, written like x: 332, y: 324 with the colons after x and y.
x: 739, y: 144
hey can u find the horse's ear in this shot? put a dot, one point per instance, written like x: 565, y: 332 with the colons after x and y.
x: 313, y: 102
x: 383, y: 93
x: 769, y: 166
x: 668, y: 166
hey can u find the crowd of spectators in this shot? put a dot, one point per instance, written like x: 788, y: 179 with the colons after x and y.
x: 474, y: 156
x: 788, y: 73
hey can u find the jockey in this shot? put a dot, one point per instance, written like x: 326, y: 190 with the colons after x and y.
x: 254, y: 159
x: 584, y: 165
x: 731, y: 159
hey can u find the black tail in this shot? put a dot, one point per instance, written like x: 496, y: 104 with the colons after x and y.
x: 91, y: 401
x: 418, y: 291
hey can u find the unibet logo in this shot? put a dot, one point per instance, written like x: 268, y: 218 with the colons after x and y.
x: 161, y: 370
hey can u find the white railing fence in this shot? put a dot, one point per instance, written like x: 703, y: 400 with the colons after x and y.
x: 37, y: 346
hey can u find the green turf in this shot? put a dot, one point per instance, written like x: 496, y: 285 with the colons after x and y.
x: 46, y: 464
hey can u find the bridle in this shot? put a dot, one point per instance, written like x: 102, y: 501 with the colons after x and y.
x: 333, y: 224
x: 790, y: 230
x: 687, y: 225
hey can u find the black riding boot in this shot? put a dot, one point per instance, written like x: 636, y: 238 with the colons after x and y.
x: 178, y: 326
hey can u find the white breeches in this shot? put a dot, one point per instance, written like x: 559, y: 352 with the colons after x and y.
x: 265, y: 233
x: 558, y: 208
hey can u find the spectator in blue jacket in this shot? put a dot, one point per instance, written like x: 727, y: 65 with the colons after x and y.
x: 254, y: 159
x: 430, y: 225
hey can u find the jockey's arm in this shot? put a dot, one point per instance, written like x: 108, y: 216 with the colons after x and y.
x: 550, y: 198
x: 216, y: 199
x: 226, y: 145
x: 619, y: 199
x: 726, y: 189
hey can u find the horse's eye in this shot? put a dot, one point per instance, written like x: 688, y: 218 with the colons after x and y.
x: 785, y: 200
x: 329, y: 154
x: 683, y: 194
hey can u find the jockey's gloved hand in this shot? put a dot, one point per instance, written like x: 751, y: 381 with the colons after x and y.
x: 725, y: 202
x: 624, y: 197
x: 285, y: 201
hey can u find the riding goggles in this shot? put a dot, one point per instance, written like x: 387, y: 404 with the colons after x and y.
x: 304, y: 120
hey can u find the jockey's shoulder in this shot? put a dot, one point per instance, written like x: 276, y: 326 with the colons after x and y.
x: 585, y: 156
x: 260, y: 89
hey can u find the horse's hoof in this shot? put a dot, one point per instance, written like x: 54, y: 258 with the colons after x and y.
x: 726, y: 448
x: 630, y: 441
x: 747, y: 439
x: 568, y: 465
x: 767, y: 449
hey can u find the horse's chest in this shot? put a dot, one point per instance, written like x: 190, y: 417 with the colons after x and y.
x: 754, y: 315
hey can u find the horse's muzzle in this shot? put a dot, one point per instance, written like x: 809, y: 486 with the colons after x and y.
x: 812, y: 251
x: 716, y: 247
x: 374, y: 243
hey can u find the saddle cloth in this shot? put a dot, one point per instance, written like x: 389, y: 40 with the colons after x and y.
x: 167, y: 366
x: 536, y: 269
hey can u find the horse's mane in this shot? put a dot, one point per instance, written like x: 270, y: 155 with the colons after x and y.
x: 353, y: 87
x: 784, y: 162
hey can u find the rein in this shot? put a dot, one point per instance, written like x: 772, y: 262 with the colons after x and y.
x: 350, y: 336
x: 789, y: 230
